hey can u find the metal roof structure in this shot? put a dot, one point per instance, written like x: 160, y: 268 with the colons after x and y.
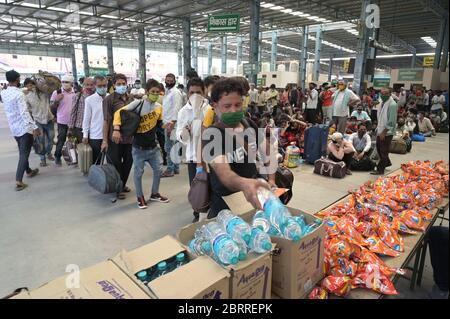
x: 52, y: 23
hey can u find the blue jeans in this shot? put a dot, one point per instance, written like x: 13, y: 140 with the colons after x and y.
x: 171, y: 166
x: 48, y: 134
x: 140, y: 157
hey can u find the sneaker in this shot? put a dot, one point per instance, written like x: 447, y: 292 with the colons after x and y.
x: 50, y: 157
x: 195, y: 220
x: 33, y: 173
x: 43, y: 163
x: 58, y: 162
x: 158, y: 198
x: 141, y: 203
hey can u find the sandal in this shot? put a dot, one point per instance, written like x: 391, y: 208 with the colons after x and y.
x: 121, y: 196
x: 126, y: 189
x: 33, y: 173
x: 21, y: 187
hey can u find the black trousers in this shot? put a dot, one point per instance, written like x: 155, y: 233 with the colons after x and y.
x: 311, y: 115
x: 120, y: 156
x: 62, y: 136
x: 383, y: 152
x: 347, y: 159
x: 96, y: 146
x: 192, y: 170
x: 439, y: 239
x: 162, y: 142
x: 25, y: 143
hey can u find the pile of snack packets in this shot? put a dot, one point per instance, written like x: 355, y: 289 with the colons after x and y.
x: 371, y: 224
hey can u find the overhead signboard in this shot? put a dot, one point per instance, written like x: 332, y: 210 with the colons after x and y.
x: 381, y: 82
x: 98, y: 71
x: 346, y: 65
x: 261, y: 82
x: 250, y: 68
x: 224, y: 23
x: 410, y: 75
x: 428, y: 61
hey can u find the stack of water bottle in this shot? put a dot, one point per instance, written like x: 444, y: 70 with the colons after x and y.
x: 162, y: 268
x: 276, y: 220
x: 229, y: 239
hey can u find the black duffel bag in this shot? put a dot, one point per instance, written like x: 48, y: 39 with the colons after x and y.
x: 104, y: 178
x: 130, y: 120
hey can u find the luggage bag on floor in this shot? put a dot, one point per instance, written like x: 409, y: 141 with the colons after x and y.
x: 69, y: 152
x: 104, y: 178
x: 315, y: 143
x: 84, y: 157
x: 398, y: 146
x: 418, y: 138
x: 329, y: 168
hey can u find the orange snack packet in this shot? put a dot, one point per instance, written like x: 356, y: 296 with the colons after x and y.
x: 377, y: 246
x: 338, y: 285
x: 318, y: 293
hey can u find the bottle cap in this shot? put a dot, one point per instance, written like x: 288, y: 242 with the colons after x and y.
x: 246, y: 238
x: 206, y: 246
x: 162, y: 265
x: 142, y: 274
x: 242, y: 256
x: 296, y: 238
x: 234, y: 260
x: 180, y: 257
x: 267, y: 245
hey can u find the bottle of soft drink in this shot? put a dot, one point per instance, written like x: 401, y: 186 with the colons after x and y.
x: 223, y: 246
x: 143, y: 276
x: 259, y: 221
x: 311, y: 227
x: 161, y: 269
x: 291, y: 230
x: 274, y: 210
x: 235, y: 226
x: 200, y: 246
x: 259, y: 241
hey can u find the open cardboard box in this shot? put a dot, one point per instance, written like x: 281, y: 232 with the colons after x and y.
x: 101, y: 281
x: 297, y: 266
x: 250, y: 278
x: 200, y: 278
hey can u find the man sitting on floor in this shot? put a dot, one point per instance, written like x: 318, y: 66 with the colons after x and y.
x: 362, y: 144
x: 341, y: 151
x: 425, y: 126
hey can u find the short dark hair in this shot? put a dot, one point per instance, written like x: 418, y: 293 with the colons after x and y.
x: 421, y: 112
x: 362, y: 124
x: 181, y: 86
x: 120, y: 76
x: 12, y: 76
x: 137, y: 81
x: 28, y: 81
x: 272, y: 86
x: 353, y: 118
x: 196, y: 82
x: 245, y: 84
x: 81, y: 80
x: 191, y: 73
x: 170, y: 75
x: 226, y: 86
x: 99, y: 78
x: 211, y: 80
x: 152, y: 83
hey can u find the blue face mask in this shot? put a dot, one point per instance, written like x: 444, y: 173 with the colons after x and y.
x: 101, y: 91
x: 121, y: 89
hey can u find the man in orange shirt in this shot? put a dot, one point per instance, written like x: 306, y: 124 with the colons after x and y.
x: 327, y: 102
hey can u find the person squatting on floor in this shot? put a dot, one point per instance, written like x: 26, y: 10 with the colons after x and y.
x: 341, y: 150
x: 21, y: 124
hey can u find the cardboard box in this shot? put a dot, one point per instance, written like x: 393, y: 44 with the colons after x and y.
x: 249, y: 279
x: 101, y: 281
x: 201, y: 278
x: 297, y: 267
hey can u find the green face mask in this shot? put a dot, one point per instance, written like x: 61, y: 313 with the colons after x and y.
x: 232, y: 119
x: 384, y: 98
x: 153, y: 97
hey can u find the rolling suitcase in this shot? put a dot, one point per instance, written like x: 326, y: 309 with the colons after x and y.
x: 84, y: 157
x: 316, y: 138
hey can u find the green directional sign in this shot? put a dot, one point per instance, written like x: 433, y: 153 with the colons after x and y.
x: 381, y: 82
x: 261, y: 82
x: 250, y: 68
x: 98, y: 71
x: 224, y: 23
x: 410, y: 75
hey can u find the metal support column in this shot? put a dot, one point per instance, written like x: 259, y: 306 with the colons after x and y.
x: 195, y: 54
x: 318, y: 50
x: 186, y: 46
x: 142, y: 57
x: 304, y: 57
x: 74, y: 62
x: 238, y: 51
x: 374, y: 51
x: 273, y: 55
x: 440, y: 40
x: 444, y: 58
x: 85, y: 59
x: 224, y: 55
x: 413, y: 60
x: 180, y: 60
x: 361, y: 51
x: 210, y: 48
x: 330, y: 69
x: 109, y: 54
x: 254, y: 37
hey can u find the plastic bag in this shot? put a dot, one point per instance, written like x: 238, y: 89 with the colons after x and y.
x: 338, y: 285
x: 376, y: 245
x: 318, y: 293
x: 370, y: 276
x: 390, y: 237
x: 412, y: 219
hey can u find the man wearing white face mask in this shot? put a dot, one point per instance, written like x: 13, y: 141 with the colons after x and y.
x: 188, y: 132
x: 62, y: 101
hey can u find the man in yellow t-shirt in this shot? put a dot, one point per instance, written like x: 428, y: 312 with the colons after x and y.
x: 145, y: 148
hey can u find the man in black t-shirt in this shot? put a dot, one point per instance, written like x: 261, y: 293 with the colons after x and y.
x: 232, y: 148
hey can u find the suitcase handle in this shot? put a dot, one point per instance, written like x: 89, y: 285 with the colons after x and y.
x: 102, y: 157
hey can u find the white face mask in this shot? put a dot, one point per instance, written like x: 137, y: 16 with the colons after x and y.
x: 196, y: 100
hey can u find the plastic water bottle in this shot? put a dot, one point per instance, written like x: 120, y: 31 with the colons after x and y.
x: 235, y: 226
x: 259, y: 241
x: 243, y: 250
x: 291, y: 230
x: 259, y: 221
x: 199, y: 232
x: 274, y: 210
x: 310, y: 228
x: 301, y: 221
x: 143, y: 276
x: 161, y: 269
x: 180, y: 260
x: 200, y: 246
x: 274, y: 232
x: 224, y: 248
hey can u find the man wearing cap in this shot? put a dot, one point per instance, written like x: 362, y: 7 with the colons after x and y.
x: 62, y: 101
x: 343, y: 99
x: 21, y: 124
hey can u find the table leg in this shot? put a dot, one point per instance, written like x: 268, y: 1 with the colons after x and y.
x: 415, y: 268
x: 423, y: 255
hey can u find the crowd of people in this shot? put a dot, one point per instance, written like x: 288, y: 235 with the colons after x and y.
x: 361, y: 128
